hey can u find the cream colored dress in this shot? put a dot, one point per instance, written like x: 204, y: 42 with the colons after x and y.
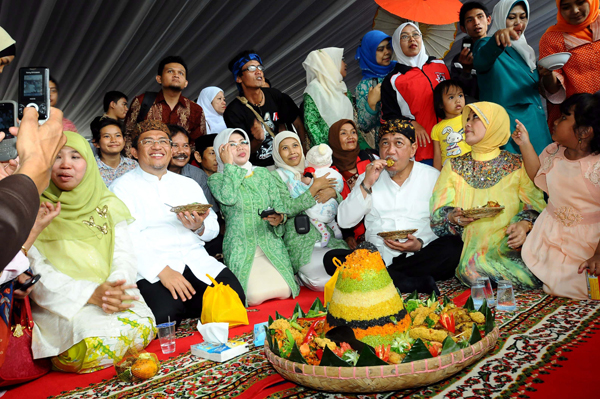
x: 567, y: 232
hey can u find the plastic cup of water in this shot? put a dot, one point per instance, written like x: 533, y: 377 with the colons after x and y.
x: 478, y: 293
x: 487, y: 290
x: 166, y: 336
x: 506, y: 297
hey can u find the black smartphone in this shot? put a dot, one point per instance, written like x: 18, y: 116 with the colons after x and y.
x: 28, y: 283
x: 267, y: 212
x: 34, y: 91
x: 375, y: 81
x: 8, y: 118
x: 467, y: 43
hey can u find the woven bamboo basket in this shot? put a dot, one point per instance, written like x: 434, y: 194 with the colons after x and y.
x: 392, y: 377
x: 396, y: 235
x: 200, y: 208
x: 480, y: 213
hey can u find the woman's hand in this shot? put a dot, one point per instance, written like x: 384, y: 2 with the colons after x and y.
x: 592, y: 265
x: 325, y: 195
x: 226, y: 153
x: 9, y: 167
x: 323, y: 182
x: 517, y: 233
x: 22, y: 278
x: 504, y: 36
x: 374, y: 96
x: 521, y: 135
x: 274, y: 219
x: 549, y: 80
x: 456, y: 217
x: 351, y: 241
x: 111, y: 296
x: 421, y: 134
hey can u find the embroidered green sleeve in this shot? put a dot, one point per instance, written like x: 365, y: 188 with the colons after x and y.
x: 317, y: 128
x: 225, y: 186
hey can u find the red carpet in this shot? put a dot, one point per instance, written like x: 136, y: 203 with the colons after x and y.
x: 56, y: 382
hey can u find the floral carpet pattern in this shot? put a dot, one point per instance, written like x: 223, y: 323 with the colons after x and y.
x: 531, y: 342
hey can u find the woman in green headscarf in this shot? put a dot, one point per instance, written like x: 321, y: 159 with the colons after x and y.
x: 86, y: 306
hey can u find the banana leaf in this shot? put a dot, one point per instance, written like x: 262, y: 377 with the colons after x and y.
x: 446, y: 301
x: 369, y: 358
x: 432, y: 297
x: 483, y: 306
x: 270, y: 320
x: 272, y: 342
x: 469, y: 305
x: 414, y: 295
x: 296, y: 356
x: 330, y: 359
x: 475, y: 335
x: 417, y: 352
x: 490, y: 323
x: 278, y: 316
x: 449, y: 346
x: 298, y: 312
x: 316, y: 308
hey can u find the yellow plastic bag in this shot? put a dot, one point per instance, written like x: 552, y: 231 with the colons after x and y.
x: 330, y: 286
x: 221, y: 304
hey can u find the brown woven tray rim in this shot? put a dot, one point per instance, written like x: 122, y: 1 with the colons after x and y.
x: 384, y: 234
x: 432, y: 365
x: 476, y: 212
x: 194, y: 207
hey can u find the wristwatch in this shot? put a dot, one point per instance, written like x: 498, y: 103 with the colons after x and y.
x: 422, y: 244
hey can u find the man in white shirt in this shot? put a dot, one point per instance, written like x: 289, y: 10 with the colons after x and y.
x: 397, y: 198
x: 172, y: 262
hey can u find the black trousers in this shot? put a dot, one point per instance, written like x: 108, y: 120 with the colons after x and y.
x: 162, y: 304
x: 436, y: 262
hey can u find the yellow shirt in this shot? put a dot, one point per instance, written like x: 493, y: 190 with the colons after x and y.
x: 451, y: 136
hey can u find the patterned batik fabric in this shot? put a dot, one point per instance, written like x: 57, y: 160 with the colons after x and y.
x: 467, y: 183
x: 109, y: 174
x: 96, y: 353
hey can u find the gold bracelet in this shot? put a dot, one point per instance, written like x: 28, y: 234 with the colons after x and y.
x: 24, y: 250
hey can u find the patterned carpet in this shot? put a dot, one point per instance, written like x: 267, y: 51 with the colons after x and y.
x: 532, y: 342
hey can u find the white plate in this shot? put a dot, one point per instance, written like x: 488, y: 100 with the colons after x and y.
x: 554, y: 61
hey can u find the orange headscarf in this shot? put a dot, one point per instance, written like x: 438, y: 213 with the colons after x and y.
x: 580, y: 31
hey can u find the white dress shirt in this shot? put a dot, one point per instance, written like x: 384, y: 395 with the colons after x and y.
x: 392, y: 207
x: 159, y: 237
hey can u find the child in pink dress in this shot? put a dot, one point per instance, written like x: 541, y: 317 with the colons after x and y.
x: 564, y: 240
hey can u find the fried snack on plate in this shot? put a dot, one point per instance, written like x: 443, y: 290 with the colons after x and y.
x: 419, y: 315
x: 428, y: 334
x: 282, y: 325
x: 323, y: 342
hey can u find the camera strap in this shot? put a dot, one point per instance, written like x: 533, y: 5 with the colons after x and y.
x: 149, y: 98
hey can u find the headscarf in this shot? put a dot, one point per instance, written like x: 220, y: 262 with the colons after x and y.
x: 7, y: 44
x: 366, y: 54
x: 297, y: 170
x: 580, y: 31
x: 418, y: 60
x: 214, y: 122
x: 342, y: 159
x: 73, y: 246
x: 496, y: 122
x: 326, y: 86
x: 499, y: 15
x: 237, y: 66
x: 223, y: 138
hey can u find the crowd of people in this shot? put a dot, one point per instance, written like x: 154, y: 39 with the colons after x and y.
x: 293, y: 188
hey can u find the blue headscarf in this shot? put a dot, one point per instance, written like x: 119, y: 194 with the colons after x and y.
x: 366, y: 55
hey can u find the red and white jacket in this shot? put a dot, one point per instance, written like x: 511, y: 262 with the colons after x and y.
x: 407, y: 93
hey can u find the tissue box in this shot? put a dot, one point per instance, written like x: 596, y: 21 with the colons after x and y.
x: 260, y: 334
x: 219, y: 352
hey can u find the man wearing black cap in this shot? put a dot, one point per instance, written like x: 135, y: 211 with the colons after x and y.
x: 261, y: 112
x: 400, y: 188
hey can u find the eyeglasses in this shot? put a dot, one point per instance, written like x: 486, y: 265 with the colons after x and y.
x: 243, y: 142
x: 406, y: 38
x: 161, y: 142
x: 253, y: 68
